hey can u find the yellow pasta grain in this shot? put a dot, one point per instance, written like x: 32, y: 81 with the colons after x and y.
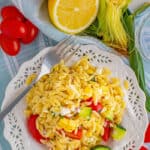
x: 30, y: 79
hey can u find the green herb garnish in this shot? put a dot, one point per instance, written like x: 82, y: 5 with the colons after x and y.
x: 135, y: 58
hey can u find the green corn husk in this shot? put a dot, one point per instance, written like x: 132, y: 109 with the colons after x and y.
x: 110, y: 24
x: 135, y: 58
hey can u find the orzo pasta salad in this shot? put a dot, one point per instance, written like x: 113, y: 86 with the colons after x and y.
x: 77, y: 107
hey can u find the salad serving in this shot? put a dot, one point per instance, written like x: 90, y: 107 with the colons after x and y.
x: 80, y: 107
x: 77, y: 107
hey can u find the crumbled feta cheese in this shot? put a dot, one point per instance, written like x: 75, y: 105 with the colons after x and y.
x: 65, y: 111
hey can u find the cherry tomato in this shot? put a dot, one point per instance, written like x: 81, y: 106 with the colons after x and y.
x: 147, y: 135
x: 13, y: 28
x: 9, y: 45
x: 75, y: 135
x: 107, y: 131
x: 31, y: 123
x: 11, y: 12
x: 143, y: 148
x: 32, y: 32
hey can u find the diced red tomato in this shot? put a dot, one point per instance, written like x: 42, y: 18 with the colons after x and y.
x: 89, y: 99
x: 32, y: 32
x: 31, y: 124
x: 107, y: 131
x: 75, y: 135
x: 147, y: 134
x: 143, y: 148
x: 90, y: 102
x: 98, y: 107
x: 11, y: 12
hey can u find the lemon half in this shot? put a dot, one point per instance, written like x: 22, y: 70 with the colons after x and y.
x: 72, y: 16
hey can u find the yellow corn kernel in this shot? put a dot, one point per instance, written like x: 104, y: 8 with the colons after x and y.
x: 90, y: 71
x: 105, y: 90
x: 115, y: 81
x: 126, y: 84
x: 118, y: 91
x: 87, y: 90
x: 68, y: 124
x: 106, y: 71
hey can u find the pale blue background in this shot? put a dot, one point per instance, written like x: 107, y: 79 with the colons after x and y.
x: 10, y: 65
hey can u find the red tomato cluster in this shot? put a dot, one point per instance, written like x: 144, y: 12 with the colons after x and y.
x: 15, y: 28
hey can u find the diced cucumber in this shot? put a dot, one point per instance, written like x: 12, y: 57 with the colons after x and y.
x: 100, y: 147
x: 118, y: 132
x: 85, y: 112
x: 109, y: 115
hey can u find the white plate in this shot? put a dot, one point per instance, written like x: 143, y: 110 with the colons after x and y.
x: 135, y: 118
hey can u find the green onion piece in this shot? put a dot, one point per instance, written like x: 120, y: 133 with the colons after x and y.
x: 135, y: 58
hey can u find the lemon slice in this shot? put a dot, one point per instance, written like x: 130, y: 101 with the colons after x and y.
x: 72, y: 16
